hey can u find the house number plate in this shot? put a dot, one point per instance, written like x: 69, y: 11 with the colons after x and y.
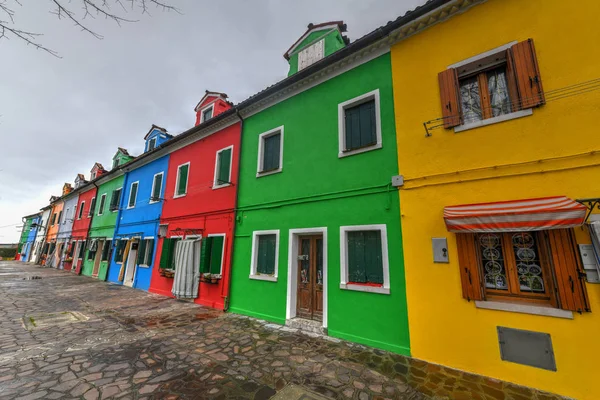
x: 303, y: 257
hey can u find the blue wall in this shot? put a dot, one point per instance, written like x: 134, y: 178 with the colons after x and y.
x: 31, y: 238
x: 143, y: 219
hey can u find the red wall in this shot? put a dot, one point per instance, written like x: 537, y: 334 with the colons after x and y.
x: 219, y: 107
x: 205, y: 209
x: 81, y: 226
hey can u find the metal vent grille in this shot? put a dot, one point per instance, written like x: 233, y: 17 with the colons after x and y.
x: 526, y: 347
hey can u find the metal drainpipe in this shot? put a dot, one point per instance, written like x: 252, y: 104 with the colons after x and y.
x: 226, y: 305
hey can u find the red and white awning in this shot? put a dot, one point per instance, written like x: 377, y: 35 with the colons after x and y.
x: 517, y: 215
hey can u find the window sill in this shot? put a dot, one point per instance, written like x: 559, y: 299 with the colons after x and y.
x: 524, y: 309
x: 343, y: 154
x: 215, y: 187
x: 361, y: 288
x: 179, y: 195
x: 264, y: 278
x: 129, y: 208
x: 275, y: 171
x: 495, y: 120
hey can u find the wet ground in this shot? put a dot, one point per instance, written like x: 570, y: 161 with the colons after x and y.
x: 74, y: 337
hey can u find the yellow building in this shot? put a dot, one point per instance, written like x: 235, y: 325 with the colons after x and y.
x: 486, y: 115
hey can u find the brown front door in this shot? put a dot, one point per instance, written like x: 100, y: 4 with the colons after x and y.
x: 310, y: 277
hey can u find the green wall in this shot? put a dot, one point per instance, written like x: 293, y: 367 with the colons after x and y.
x: 25, y: 233
x: 316, y: 188
x: 333, y: 42
x: 103, y: 226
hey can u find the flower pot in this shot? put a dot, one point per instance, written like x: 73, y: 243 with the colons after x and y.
x: 214, y: 280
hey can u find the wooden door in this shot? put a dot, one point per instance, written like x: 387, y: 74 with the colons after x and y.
x: 309, y: 302
x: 97, y: 258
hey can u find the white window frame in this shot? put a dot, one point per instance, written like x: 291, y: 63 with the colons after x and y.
x: 175, y: 195
x: 222, y: 251
x: 372, y: 95
x: 203, y: 110
x: 119, y: 201
x: 155, y: 140
x: 218, y: 186
x: 261, y: 145
x: 145, y: 261
x: 162, y: 176
x: 382, y: 228
x: 90, y: 213
x: 81, y: 208
x: 137, y: 189
x: 103, y: 203
x: 253, y: 265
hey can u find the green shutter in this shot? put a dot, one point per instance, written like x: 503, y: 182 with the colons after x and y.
x: 113, y: 201
x: 157, y: 187
x: 365, y: 263
x: 81, y: 249
x: 205, y: 253
x: 133, y: 194
x: 183, y: 177
x: 150, y: 251
x: 92, y: 207
x: 271, y: 151
x: 266, y: 254
x: 166, y: 258
x: 373, y: 257
x: 216, y: 254
x: 361, y: 126
x: 356, y: 257
x: 224, y: 165
x: 141, y: 252
x: 352, y: 132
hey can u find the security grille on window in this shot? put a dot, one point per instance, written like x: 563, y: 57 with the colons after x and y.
x: 133, y: 195
x: 211, y: 255
x: 145, y: 251
x: 182, y: 180
x: 223, y: 168
x: 491, y: 86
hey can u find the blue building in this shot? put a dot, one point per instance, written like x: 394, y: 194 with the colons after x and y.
x: 30, y: 241
x: 140, y: 208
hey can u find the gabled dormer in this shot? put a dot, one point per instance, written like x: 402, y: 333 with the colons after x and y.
x: 96, y: 171
x: 319, y: 41
x: 67, y: 188
x: 79, y: 181
x: 53, y: 199
x: 155, y: 137
x: 211, y: 105
x: 121, y: 157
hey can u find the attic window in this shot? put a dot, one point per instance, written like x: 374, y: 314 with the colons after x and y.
x: 152, y: 144
x: 311, y: 54
x: 207, y: 113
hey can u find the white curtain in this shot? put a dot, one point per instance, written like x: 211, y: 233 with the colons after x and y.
x: 595, y: 234
x: 50, y: 259
x: 187, y: 269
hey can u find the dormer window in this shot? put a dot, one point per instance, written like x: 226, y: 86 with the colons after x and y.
x: 93, y: 176
x: 115, y: 163
x: 311, y: 54
x: 152, y: 144
x: 207, y: 113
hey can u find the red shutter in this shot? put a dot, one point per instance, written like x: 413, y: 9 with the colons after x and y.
x: 469, y: 268
x: 567, y: 269
x: 448, y: 81
x: 527, y: 74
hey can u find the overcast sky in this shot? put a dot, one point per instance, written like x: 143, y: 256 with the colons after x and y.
x: 59, y: 116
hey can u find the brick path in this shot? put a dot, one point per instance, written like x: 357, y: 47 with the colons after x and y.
x: 67, y: 336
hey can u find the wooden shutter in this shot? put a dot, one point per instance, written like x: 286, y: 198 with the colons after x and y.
x: 133, y: 195
x: 373, y: 257
x: 113, y: 201
x: 568, y: 271
x: 449, y: 96
x: 271, y: 151
x: 356, y: 257
x: 150, y: 251
x: 527, y: 74
x: 352, y: 125
x: 183, y: 177
x: 92, y: 207
x: 224, y: 166
x: 157, y: 187
x: 205, y: 254
x: 216, y: 254
x: 266, y: 254
x: 141, y: 252
x: 470, y: 276
x: 167, y: 253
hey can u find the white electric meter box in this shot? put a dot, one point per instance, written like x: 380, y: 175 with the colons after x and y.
x: 590, y: 263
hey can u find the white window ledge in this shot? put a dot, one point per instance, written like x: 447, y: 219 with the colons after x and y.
x: 215, y: 187
x: 364, y: 288
x: 275, y: 171
x: 524, y: 309
x: 264, y: 278
x: 361, y: 150
x: 495, y: 120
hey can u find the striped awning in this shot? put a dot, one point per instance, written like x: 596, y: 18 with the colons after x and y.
x: 517, y: 215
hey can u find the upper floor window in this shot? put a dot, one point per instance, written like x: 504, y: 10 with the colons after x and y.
x: 101, y: 205
x: 359, y: 124
x: 115, y: 163
x: 53, y: 221
x: 270, y: 152
x: 81, y: 206
x: 133, y: 194
x: 500, y: 84
x: 115, y: 199
x: 92, y: 207
x: 156, y: 188
x: 207, y: 113
x: 223, y: 168
x: 59, y: 217
x: 152, y: 144
x: 182, y: 180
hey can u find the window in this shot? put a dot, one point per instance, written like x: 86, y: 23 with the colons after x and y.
x: 207, y: 113
x: 115, y: 163
x: 59, y: 217
x: 145, y: 252
x: 120, y: 250
x: 152, y: 144
x: 182, y: 180
x: 265, y: 254
x: 364, y: 258
x: 101, y: 207
x: 81, y: 206
x: 106, y: 250
x: 211, y: 254
x: 156, y: 188
x: 92, y: 207
x: 223, y: 168
x: 311, y: 54
x: 115, y: 200
x: 81, y: 249
x: 92, y: 248
x: 132, y: 194
x: 53, y: 219
x: 359, y: 124
x: 500, y: 84
x: 270, y: 152
x: 540, y: 267
x: 167, y: 257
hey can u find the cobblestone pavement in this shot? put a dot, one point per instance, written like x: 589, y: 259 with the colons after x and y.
x: 74, y: 337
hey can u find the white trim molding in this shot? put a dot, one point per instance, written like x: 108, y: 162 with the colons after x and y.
x: 253, y: 273
x: 228, y: 183
x: 342, y: 107
x: 292, y: 283
x: 494, y: 120
x: 175, y: 195
x: 137, y: 189
x: 222, y: 250
x: 162, y: 177
x: 261, y: 143
x: 382, y: 228
x: 524, y: 309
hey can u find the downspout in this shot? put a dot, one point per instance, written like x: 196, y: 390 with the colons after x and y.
x: 237, y: 191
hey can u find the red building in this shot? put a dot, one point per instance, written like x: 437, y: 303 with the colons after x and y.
x: 199, y: 207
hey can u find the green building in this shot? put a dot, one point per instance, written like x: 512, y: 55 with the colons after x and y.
x: 318, y: 241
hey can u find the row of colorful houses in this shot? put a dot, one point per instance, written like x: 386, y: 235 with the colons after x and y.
x: 428, y: 189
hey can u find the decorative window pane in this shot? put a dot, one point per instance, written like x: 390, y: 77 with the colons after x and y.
x: 527, y: 257
x: 266, y: 254
x: 365, y: 261
x: 470, y: 100
x: 361, y: 126
x: 492, y: 259
x: 271, y: 152
x: 498, y: 92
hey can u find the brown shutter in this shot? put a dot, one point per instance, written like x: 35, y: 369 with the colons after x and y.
x: 448, y: 81
x: 567, y: 269
x: 527, y: 74
x: 469, y: 269
x: 511, y: 78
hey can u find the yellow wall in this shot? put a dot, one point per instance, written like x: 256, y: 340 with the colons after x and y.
x: 445, y: 328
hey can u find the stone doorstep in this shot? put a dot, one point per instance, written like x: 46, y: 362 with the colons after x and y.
x: 306, y: 326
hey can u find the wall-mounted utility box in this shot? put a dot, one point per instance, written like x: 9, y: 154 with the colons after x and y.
x: 440, y: 250
x: 526, y: 347
x: 398, y: 180
x: 590, y: 265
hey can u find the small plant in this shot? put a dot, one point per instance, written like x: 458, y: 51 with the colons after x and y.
x: 32, y: 321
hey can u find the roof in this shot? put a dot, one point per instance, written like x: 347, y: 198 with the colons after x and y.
x: 163, y: 130
x: 311, y: 27
x: 122, y: 150
x: 97, y: 165
x: 81, y: 177
x: 208, y: 93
